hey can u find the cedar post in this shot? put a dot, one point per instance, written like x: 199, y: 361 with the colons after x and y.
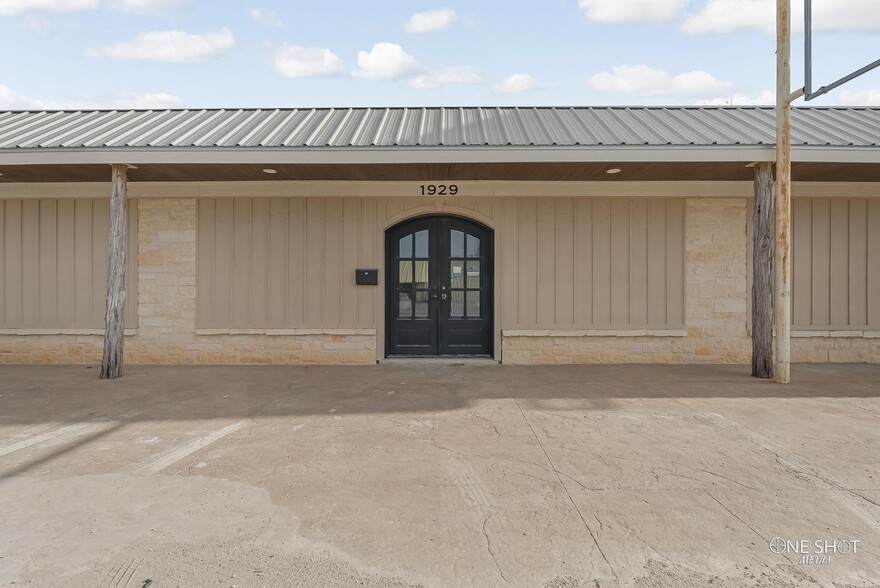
x: 762, y: 273
x: 114, y: 327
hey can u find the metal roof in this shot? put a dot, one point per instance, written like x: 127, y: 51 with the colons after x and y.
x: 433, y: 127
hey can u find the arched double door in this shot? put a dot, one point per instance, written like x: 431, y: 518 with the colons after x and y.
x: 438, y: 288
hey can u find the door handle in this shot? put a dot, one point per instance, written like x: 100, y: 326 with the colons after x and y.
x: 434, y: 296
x: 443, y: 296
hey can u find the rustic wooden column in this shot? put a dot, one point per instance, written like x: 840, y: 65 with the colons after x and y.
x: 114, y: 324
x: 762, y: 273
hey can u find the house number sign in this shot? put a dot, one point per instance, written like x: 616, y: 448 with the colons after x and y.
x: 439, y: 189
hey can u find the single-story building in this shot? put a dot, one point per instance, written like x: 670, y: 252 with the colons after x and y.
x: 527, y: 235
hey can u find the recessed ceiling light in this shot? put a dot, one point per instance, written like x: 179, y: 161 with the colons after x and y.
x: 613, y: 170
x: 269, y: 170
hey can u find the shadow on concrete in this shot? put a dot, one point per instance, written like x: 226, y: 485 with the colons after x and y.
x: 36, y: 394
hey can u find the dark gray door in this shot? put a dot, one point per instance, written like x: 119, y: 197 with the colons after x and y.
x: 439, y: 288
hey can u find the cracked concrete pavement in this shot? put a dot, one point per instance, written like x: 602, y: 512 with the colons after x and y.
x: 437, y: 475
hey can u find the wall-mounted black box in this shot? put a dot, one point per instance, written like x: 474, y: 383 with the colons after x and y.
x: 366, y: 277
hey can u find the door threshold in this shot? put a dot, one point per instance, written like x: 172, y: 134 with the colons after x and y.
x: 450, y: 360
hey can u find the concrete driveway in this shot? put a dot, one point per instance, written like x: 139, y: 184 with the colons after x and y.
x: 439, y: 475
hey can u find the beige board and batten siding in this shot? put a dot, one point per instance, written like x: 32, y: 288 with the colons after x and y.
x: 836, y: 264
x: 53, y: 264
x: 593, y: 263
x: 565, y: 263
x: 285, y: 263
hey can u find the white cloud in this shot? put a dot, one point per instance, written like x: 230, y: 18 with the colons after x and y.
x: 859, y: 97
x: 266, y: 17
x: 169, y: 46
x: 41, y: 26
x: 516, y: 83
x: 461, y: 74
x: 386, y: 61
x: 14, y: 7
x: 629, y: 11
x: 11, y: 100
x: 724, y: 16
x: 643, y: 80
x: 430, y: 20
x: 149, y: 7
x: 765, y: 98
x: 293, y: 61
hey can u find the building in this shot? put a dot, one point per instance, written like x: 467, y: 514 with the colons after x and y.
x: 529, y: 235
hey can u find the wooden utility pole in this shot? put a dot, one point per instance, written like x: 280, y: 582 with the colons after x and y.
x: 782, y: 250
x: 114, y: 324
x: 762, y: 273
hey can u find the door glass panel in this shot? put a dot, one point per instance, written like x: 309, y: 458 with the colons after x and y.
x: 456, y: 273
x: 422, y: 304
x: 456, y: 305
x: 473, y: 304
x: 457, y: 244
x: 422, y: 244
x: 406, y: 246
x: 473, y: 273
x: 405, y: 276
x: 473, y: 246
x: 405, y: 305
x: 421, y: 275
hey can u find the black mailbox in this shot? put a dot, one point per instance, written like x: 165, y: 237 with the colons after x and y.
x: 366, y: 277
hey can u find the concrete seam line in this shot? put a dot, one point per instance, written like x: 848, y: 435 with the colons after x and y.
x: 800, y: 466
x: 177, y: 453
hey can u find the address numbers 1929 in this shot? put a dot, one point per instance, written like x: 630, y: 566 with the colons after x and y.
x: 439, y: 189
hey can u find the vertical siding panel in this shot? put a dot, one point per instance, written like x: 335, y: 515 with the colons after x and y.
x: 30, y: 275
x: 510, y: 267
x: 12, y: 263
x: 276, y: 314
x: 874, y: 263
x: 315, y: 258
x: 350, y: 238
x: 602, y: 262
x: 858, y: 262
x: 332, y: 309
x: 258, y: 300
x: 656, y: 289
x: 839, y: 257
x: 369, y: 233
x: 100, y: 263
x: 801, y: 261
x: 546, y: 262
x: 676, y: 239
x: 821, y: 247
x: 296, y: 256
x: 565, y: 263
x: 638, y: 260
x: 222, y: 269
x: 583, y: 261
x: 241, y: 261
x: 620, y: 266
x: 205, y: 278
x: 82, y: 274
x: 48, y: 256
x: 528, y: 251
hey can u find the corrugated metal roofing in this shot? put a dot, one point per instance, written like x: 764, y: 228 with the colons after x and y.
x: 435, y: 127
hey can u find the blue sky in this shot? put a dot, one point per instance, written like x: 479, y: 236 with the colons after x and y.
x: 196, y: 53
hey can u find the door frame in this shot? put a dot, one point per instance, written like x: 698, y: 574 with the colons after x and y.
x: 429, y: 210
